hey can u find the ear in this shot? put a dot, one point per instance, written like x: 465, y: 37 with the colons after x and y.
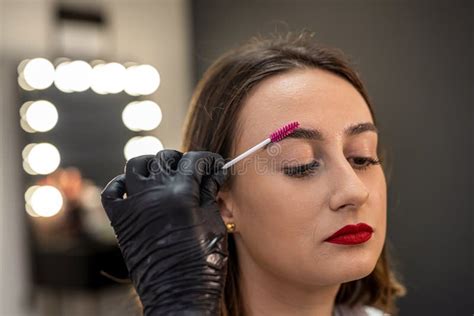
x: 225, y: 202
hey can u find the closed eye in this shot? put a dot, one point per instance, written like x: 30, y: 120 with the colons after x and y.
x: 300, y: 171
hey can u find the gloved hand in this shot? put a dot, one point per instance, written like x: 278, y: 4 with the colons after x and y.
x: 170, y: 231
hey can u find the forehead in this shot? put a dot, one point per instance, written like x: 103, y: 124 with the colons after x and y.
x: 313, y: 97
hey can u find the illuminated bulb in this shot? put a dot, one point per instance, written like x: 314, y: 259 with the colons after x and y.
x: 142, y: 115
x: 27, y: 168
x: 74, y: 76
x: 23, y: 84
x: 142, y: 145
x: 130, y: 116
x: 132, y: 81
x: 26, y: 150
x: 25, y: 126
x: 98, y: 79
x: 24, y: 107
x: 24, y: 154
x: 41, y: 116
x: 113, y: 76
x: 21, y: 66
x: 43, y: 158
x: 30, y: 210
x: 46, y: 201
x: 63, y: 80
x: 142, y: 80
x: 39, y: 73
x: 29, y: 193
x: 82, y: 72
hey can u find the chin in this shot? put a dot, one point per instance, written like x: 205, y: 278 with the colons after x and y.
x: 338, y: 273
x: 347, y: 268
x: 357, y: 268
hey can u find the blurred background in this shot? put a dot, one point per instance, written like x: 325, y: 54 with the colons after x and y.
x: 85, y: 85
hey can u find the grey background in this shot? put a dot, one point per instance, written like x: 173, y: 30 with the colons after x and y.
x: 415, y: 58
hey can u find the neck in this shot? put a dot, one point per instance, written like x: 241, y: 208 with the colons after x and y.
x: 266, y: 294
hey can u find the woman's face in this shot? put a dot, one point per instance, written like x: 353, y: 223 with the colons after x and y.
x: 283, y: 215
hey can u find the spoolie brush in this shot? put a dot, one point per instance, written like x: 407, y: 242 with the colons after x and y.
x: 274, y: 137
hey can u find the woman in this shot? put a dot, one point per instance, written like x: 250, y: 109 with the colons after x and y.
x: 280, y: 205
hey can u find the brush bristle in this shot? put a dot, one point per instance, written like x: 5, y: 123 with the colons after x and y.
x: 284, y: 131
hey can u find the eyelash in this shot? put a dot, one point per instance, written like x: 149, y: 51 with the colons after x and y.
x: 310, y: 168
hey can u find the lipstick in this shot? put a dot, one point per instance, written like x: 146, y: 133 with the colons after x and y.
x: 351, y: 234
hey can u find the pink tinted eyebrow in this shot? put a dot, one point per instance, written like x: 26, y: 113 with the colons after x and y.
x: 316, y: 134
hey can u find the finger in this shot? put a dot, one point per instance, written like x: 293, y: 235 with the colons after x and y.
x: 165, y: 161
x: 136, y: 173
x: 138, y: 165
x: 211, y: 184
x: 113, y: 191
x: 197, y: 164
x: 220, y: 175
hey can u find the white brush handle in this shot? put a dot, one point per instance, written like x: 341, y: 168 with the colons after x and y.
x: 246, y: 153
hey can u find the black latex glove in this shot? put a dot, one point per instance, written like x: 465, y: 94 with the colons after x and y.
x: 170, y: 231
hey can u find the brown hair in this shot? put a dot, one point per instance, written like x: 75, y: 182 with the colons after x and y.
x: 211, y: 125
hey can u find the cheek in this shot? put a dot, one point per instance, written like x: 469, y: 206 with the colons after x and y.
x: 264, y: 204
x: 376, y: 209
x: 378, y: 204
x: 276, y: 220
x: 275, y: 202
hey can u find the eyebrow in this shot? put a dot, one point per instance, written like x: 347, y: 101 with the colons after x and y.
x: 316, y: 134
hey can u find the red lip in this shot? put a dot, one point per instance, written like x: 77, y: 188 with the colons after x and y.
x: 351, y: 234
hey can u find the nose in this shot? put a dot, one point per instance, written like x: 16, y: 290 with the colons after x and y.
x: 348, y: 191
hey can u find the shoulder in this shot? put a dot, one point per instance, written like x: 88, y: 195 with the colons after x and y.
x: 373, y: 311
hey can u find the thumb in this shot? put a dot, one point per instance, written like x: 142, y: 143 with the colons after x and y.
x: 113, y: 192
x: 212, y: 183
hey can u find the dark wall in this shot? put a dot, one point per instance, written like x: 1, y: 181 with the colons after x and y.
x: 416, y: 60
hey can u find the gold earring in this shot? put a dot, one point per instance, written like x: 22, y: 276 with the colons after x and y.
x: 230, y: 227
